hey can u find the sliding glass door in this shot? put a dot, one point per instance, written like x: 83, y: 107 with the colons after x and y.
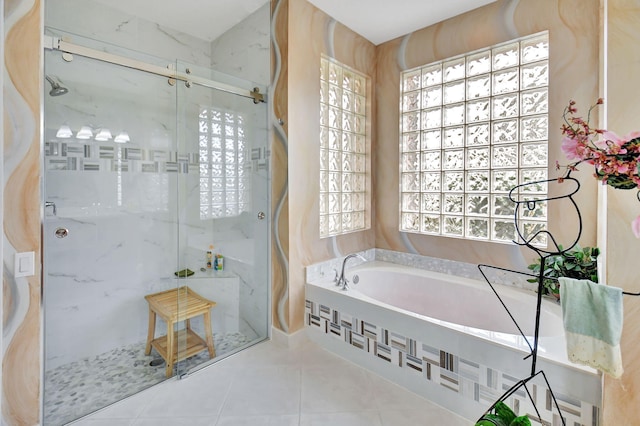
x: 155, y: 227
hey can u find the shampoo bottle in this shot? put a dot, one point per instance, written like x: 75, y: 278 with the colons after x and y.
x: 210, y: 257
x: 219, y: 264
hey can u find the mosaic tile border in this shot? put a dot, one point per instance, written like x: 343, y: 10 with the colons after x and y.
x: 464, y: 377
x: 64, y: 156
x: 93, y: 157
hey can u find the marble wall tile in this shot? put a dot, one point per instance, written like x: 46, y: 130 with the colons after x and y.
x: 99, y: 22
x: 99, y: 275
x: 244, y: 50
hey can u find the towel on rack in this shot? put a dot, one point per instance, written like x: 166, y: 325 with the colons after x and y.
x: 592, y: 315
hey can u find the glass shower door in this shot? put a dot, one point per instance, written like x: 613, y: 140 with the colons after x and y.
x: 224, y: 208
x: 110, y: 229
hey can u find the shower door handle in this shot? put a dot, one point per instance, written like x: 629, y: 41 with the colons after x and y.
x: 62, y: 232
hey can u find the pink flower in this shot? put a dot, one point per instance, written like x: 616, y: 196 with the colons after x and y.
x: 614, y: 142
x: 610, y: 141
x: 570, y: 147
x: 635, y: 226
x: 622, y: 168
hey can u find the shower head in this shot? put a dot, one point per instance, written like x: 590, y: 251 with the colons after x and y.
x: 56, y: 88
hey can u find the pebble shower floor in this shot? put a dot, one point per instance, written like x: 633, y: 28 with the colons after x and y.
x: 79, y: 388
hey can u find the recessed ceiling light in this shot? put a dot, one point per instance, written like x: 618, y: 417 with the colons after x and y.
x: 103, y: 135
x: 64, y: 132
x: 122, y: 137
x: 84, y: 133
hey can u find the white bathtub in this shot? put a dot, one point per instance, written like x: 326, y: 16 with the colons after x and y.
x: 450, y: 330
x: 455, y: 301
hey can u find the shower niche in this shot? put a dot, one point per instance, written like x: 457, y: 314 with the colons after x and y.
x: 143, y: 175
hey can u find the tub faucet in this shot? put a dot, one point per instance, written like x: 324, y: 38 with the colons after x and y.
x: 342, y: 280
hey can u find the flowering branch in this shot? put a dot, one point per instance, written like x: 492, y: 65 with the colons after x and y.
x: 615, y: 159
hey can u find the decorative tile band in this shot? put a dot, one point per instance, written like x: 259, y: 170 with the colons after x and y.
x: 465, y: 377
x: 91, y: 157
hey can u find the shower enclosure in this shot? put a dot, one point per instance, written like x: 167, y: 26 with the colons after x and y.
x: 155, y: 178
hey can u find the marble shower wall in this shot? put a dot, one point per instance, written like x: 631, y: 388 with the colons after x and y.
x: 574, y: 70
x: 100, y: 22
x: 302, y: 33
x: 21, y: 344
x: 244, y: 51
x: 22, y: 91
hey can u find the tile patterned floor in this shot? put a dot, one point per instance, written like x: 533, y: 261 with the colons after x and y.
x: 272, y: 385
x: 79, y: 388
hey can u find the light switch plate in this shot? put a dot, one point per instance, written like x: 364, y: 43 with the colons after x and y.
x: 24, y: 265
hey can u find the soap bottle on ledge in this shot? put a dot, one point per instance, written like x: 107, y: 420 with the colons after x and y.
x: 218, y: 264
x: 210, y: 257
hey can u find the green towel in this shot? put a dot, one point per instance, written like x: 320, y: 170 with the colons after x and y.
x: 184, y: 273
x: 592, y: 316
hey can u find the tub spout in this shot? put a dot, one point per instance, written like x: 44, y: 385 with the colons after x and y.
x: 342, y: 280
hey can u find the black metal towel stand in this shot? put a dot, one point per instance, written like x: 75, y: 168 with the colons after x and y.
x: 527, y: 200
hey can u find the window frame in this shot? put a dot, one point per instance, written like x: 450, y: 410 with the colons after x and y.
x: 419, y: 177
x: 342, y: 138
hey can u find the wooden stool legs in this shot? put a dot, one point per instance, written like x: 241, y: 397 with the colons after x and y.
x: 182, y: 344
x: 209, y: 334
x: 171, y: 355
x: 151, y: 331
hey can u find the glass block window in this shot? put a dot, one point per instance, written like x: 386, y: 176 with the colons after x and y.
x: 472, y: 128
x: 225, y: 181
x: 344, y: 174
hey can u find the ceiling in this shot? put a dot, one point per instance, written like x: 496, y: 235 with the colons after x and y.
x: 376, y: 20
x: 382, y: 20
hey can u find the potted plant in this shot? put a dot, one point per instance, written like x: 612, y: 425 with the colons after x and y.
x: 579, y: 263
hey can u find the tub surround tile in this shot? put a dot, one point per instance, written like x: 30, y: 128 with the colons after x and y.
x: 465, y: 381
x: 322, y: 270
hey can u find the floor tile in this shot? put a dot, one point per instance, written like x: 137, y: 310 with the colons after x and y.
x: 128, y: 408
x: 264, y: 420
x: 104, y: 422
x: 336, y: 389
x: 390, y: 396
x: 436, y: 416
x: 177, y: 421
x: 272, y: 390
x: 363, y: 418
x: 272, y: 385
x: 200, y: 395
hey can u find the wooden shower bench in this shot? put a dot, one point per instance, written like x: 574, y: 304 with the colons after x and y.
x: 173, y: 306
